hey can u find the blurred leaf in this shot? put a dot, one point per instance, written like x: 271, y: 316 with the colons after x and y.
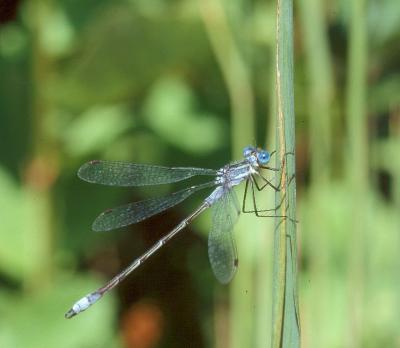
x: 263, y: 23
x: 119, y: 55
x: 56, y: 32
x: 385, y: 94
x: 383, y: 20
x: 12, y: 238
x: 38, y: 320
x: 12, y: 40
x: 326, y: 214
x: 96, y: 129
x: 170, y: 111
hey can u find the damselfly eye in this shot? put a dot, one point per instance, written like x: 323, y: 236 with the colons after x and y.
x: 263, y: 156
x: 248, y: 150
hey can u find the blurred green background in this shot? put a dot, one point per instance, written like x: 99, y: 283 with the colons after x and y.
x: 189, y: 83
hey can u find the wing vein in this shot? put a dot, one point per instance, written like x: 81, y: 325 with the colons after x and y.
x: 116, y: 173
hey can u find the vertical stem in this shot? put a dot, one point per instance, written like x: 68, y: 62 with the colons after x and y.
x: 263, y: 277
x: 357, y: 151
x: 357, y: 165
x: 234, y: 71
x: 396, y: 198
x: 320, y: 90
x: 237, y: 80
x: 319, y: 68
x: 41, y: 170
x: 286, y: 325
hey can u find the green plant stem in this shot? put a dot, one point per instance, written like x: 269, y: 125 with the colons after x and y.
x: 320, y: 91
x: 237, y: 80
x: 41, y: 171
x: 234, y: 71
x: 396, y: 190
x: 264, y: 255
x: 319, y: 94
x: 286, y: 325
x: 357, y: 162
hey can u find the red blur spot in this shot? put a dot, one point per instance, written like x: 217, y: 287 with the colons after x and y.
x: 142, y: 326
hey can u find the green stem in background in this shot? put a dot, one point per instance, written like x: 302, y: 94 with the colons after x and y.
x: 396, y: 197
x: 357, y: 150
x: 264, y: 255
x: 320, y: 92
x: 234, y: 71
x: 357, y: 162
x: 42, y: 166
x: 238, y: 82
x: 286, y: 324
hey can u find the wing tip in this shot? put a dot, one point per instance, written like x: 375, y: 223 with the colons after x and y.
x: 104, y: 223
x: 98, y: 226
x: 84, y: 170
x: 227, y: 278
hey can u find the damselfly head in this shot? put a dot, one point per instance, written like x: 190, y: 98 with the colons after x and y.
x: 256, y: 155
x: 248, y: 151
x: 263, y: 156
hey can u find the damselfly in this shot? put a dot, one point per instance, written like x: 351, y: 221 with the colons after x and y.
x: 225, y: 207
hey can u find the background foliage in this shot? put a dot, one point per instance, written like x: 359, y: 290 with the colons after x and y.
x: 189, y: 83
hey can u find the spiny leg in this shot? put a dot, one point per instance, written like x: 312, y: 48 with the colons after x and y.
x: 267, y: 182
x: 244, y: 210
x: 244, y: 198
x: 280, y: 216
x: 260, y: 188
x: 256, y: 211
x: 276, y: 169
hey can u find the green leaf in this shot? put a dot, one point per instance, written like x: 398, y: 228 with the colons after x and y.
x: 12, y: 237
x: 96, y: 129
x: 38, y: 320
x: 170, y: 111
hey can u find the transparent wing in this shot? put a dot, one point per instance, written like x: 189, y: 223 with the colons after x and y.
x: 221, y: 245
x: 117, y: 173
x: 134, y: 212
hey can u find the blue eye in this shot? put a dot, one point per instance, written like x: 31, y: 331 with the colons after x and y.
x: 263, y: 156
x: 248, y: 150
